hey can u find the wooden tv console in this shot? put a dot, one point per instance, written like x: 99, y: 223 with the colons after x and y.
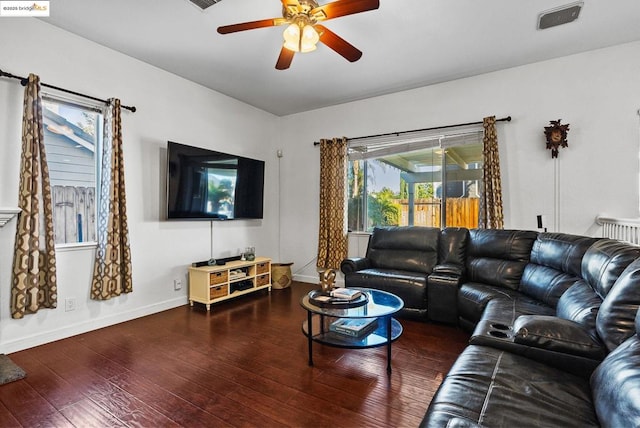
x: 212, y: 284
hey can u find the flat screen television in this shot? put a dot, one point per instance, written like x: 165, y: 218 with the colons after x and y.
x: 204, y: 184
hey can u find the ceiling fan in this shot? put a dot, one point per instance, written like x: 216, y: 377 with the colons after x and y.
x: 304, y: 31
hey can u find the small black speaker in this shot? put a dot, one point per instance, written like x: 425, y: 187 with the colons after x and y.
x: 542, y: 220
x: 210, y: 262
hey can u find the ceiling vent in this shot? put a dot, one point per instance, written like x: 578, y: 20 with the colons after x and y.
x: 560, y: 15
x: 203, y: 4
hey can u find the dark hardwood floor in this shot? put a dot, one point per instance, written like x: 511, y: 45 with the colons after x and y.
x: 243, y: 364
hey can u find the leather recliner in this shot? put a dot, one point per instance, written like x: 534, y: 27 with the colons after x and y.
x: 530, y: 326
x: 398, y: 260
x: 554, y: 317
x: 489, y: 386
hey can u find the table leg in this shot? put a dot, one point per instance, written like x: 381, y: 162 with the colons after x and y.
x: 309, y: 339
x: 389, y: 345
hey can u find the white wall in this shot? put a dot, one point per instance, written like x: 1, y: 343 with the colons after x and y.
x: 597, y: 93
x: 169, y: 108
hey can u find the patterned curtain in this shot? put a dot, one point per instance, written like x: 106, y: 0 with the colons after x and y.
x: 34, y: 280
x: 491, y: 216
x: 332, y: 235
x: 112, y: 268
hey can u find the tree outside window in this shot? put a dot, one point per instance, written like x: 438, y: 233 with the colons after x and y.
x: 416, y: 188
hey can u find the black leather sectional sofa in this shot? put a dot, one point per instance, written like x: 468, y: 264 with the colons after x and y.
x: 552, y: 319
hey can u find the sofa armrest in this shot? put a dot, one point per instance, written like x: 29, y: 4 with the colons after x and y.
x: 354, y: 264
x: 451, y: 269
x: 555, y: 353
x: 442, y: 294
x: 557, y: 335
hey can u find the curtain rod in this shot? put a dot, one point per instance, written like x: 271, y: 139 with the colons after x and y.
x: 24, y: 80
x: 504, y: 119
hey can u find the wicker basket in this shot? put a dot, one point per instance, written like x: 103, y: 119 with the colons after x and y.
x: 280, y: 275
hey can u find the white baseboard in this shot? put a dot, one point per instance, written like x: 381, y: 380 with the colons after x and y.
x: 313, y: 279
x: 306, y: 278
x: 89, y: 325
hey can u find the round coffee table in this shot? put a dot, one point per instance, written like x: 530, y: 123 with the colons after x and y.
x: 380, y: 306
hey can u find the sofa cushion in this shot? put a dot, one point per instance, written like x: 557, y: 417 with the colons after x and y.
x: 491, y: 387
x: 498, y: 257
x: 407, y: 248
x: 501, y: 244
x: 602, y: 265
x: 545, y: 283
x: 604, y: 261
x: 411, y: 287
x: 555, y: 265
x: 580, y: 303
x: 453, y: 246
x: 503, y: 273
x: 561, y: 251
x: 474, y: 297
x: 616, y: 385
x: 616, y: 317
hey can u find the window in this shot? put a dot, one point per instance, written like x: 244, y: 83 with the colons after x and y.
x: 73, y: 138
x: 429, y: 181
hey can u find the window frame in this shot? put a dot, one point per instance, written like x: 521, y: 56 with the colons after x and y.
x: 372, y: 148
x: 99, y: 109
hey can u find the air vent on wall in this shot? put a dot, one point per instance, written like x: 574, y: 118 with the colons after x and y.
x: 203, y: 4
x: 560, y: 15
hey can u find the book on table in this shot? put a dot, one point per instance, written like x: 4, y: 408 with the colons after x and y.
x: 345, y: 293
x: 354, y: 327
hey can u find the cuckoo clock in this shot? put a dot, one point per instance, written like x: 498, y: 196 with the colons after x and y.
x: 556, y: 135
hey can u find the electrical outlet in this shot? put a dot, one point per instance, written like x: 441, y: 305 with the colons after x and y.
x: 70, y: 304
x: 177, y: 284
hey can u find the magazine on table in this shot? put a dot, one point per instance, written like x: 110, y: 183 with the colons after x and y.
x: 345, y: 293
x: 354, y: 327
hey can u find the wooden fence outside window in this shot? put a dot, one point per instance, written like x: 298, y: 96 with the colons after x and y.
x: 74, y: 214
x: 461, y: 212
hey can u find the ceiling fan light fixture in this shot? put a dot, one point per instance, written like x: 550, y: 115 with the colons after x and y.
x: 292, y: 37
x: 299, y: 38
x: 310, y: 38
x: 304, y: 31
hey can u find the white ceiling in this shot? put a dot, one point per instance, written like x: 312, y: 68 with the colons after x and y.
x: 405, y: 43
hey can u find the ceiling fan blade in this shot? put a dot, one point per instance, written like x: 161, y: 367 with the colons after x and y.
x: 285, y: 58
x: 293, y: 6
x: 338, y: 44
x: 342, y: 8
x: 226, y: 29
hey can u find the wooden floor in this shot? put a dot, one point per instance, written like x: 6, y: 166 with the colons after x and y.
x: 243, y: 364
